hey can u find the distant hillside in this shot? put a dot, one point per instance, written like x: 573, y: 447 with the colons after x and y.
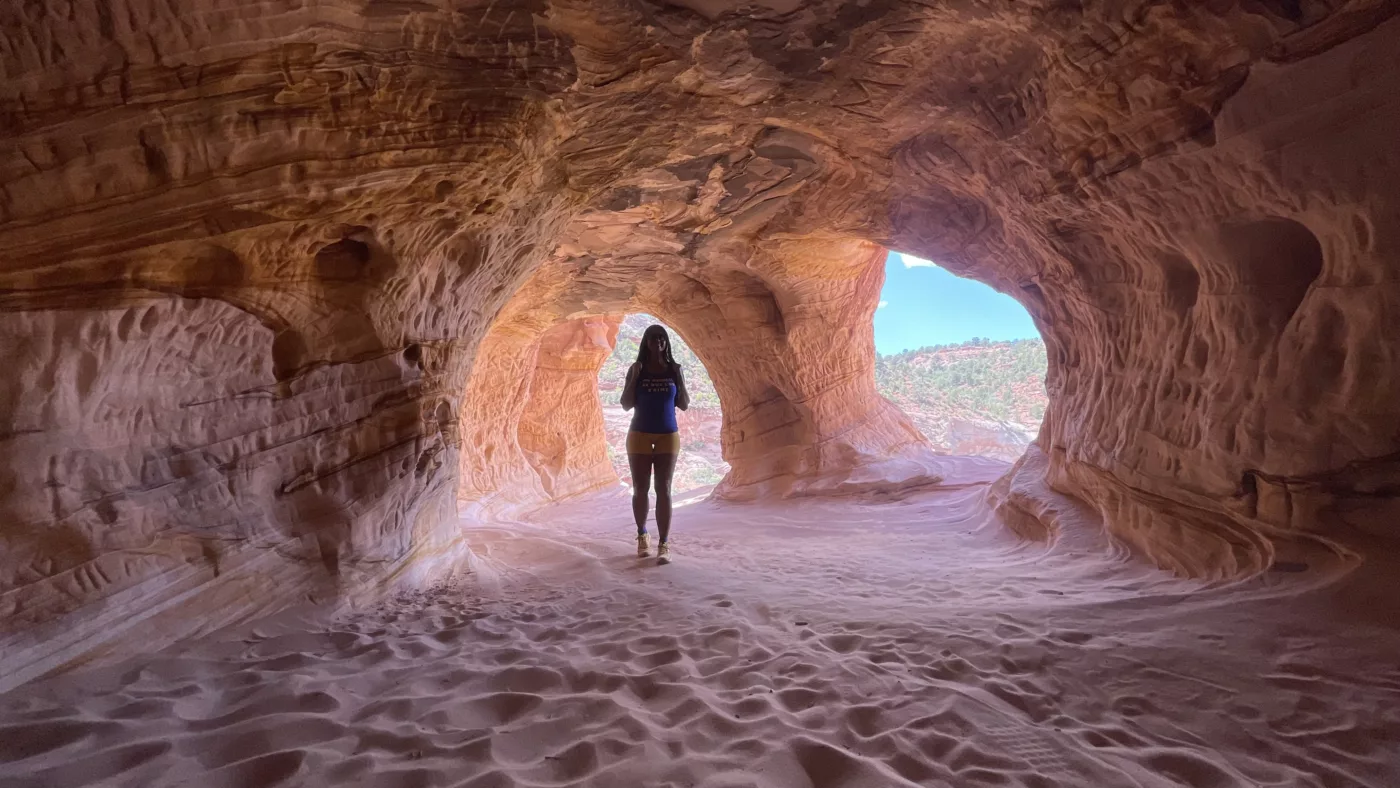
x: 977, y: 397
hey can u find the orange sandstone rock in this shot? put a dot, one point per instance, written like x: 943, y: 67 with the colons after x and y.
x: 268, y: 274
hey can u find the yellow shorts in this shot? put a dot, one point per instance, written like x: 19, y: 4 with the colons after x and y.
x: 653, y: 442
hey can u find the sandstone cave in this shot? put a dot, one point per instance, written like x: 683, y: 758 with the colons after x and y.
x: 303, y: 478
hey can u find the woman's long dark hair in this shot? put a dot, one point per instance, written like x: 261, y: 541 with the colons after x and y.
x: 644, y: 352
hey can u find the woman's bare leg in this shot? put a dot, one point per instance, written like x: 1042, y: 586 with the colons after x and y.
x: 665, y: 466
x: 641, y: 480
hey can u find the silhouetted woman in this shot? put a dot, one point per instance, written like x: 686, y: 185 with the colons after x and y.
x: 655, y: 388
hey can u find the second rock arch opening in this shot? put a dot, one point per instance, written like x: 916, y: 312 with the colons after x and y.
x: 965, y: 363
x: 700, y: 463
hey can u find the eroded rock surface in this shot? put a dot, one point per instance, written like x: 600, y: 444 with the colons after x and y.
x: 534, y: 426
x: 252, y: 255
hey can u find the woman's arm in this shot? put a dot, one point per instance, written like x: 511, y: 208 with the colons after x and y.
x: 682, y: 396
x: 629, y: 389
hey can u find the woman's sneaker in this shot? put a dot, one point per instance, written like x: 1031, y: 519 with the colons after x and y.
x: 663, y: 553
x: 643, y: 547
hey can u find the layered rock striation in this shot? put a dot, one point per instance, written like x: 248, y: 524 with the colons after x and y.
x: 266, y: 267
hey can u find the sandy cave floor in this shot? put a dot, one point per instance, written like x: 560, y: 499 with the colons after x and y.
x: 827, y: 644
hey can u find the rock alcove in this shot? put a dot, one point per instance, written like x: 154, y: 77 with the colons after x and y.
x: 283, y: 284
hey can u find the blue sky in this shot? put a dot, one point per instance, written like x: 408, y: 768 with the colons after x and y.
x: 922, y: 304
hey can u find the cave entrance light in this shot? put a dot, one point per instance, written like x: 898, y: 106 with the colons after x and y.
x: 964, y: 362
x: 700, y: 464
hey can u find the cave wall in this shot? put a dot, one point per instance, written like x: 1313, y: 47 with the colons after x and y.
x: 561, y: 429
x: 1218, y: 374
x: 796, y: 376
x: 246, y: 263
x: 532, y: 421
x: 252, y: 256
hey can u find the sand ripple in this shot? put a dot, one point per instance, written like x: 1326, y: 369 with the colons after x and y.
x: 813, y: 645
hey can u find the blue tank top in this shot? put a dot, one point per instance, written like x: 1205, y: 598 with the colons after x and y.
x: 655, y: 409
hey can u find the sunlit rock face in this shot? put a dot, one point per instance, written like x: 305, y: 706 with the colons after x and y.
x: 532, y: 424
x: 252, y: 255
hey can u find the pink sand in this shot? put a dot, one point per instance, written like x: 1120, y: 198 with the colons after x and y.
x: 822, y: 644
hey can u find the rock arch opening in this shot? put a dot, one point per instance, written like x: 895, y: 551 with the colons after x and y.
x: 785, y: 333
x: 701, y: 462
x: 964, y: 362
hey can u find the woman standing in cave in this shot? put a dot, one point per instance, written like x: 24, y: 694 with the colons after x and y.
x: 655, y: 388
